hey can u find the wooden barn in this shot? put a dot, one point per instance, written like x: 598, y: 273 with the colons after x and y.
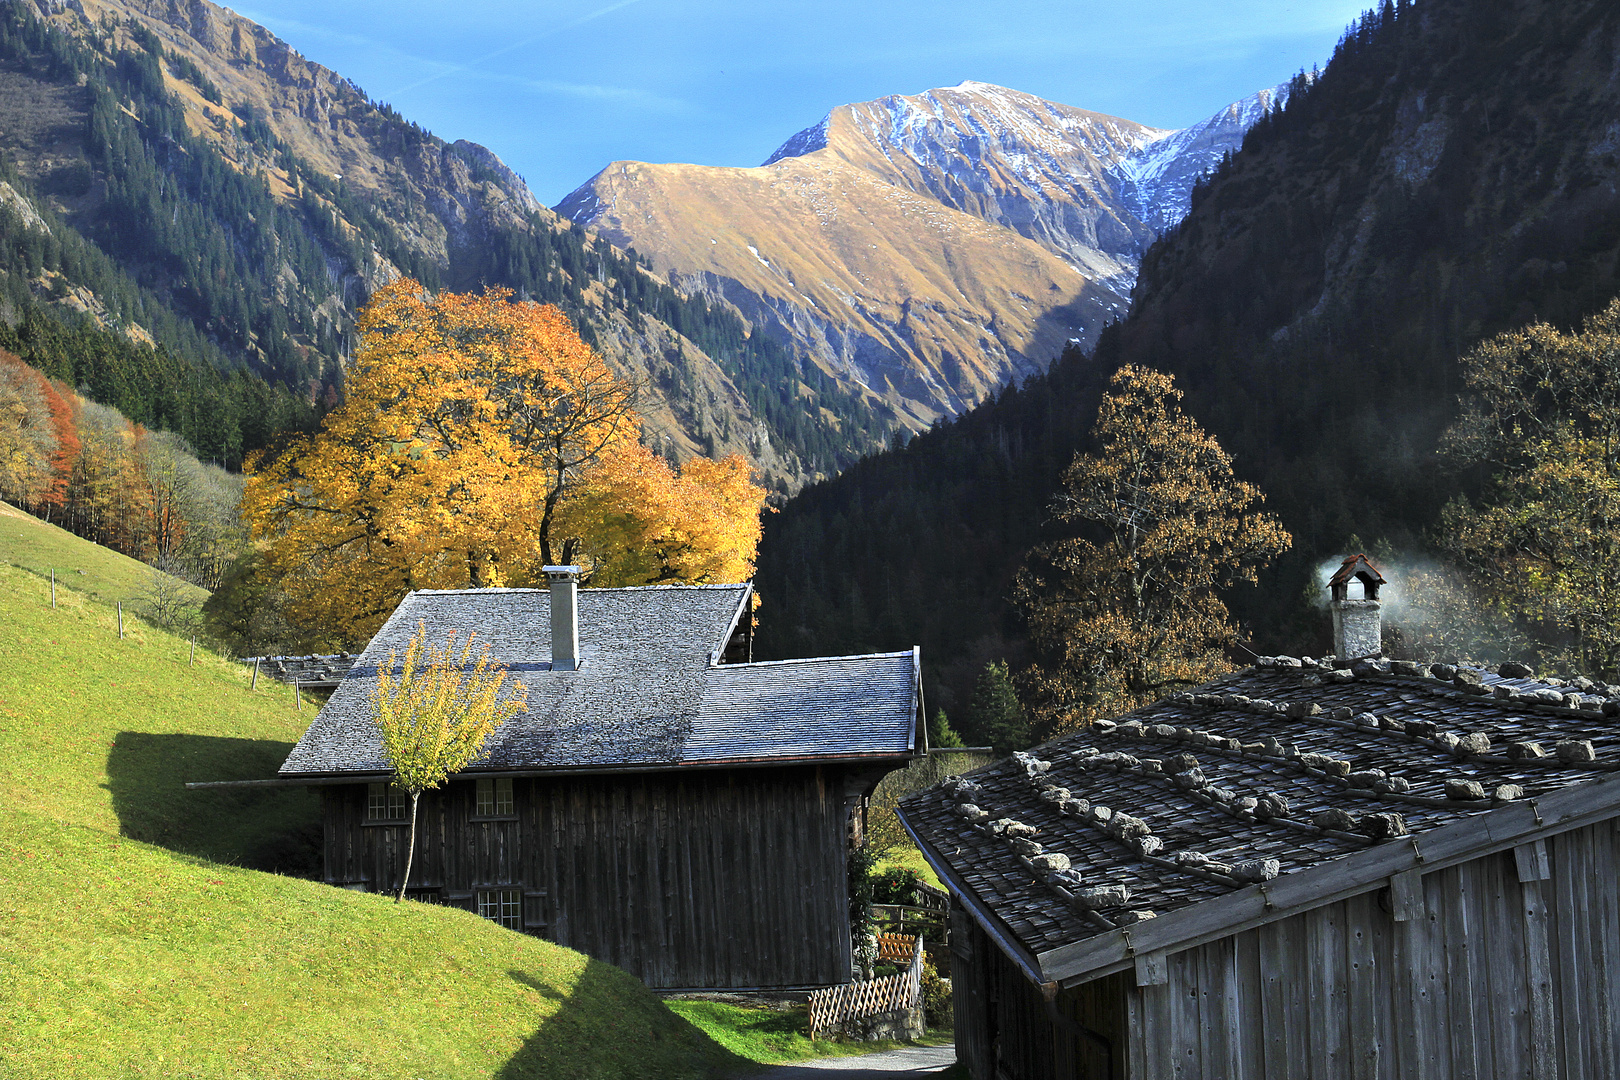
x: 665, y: 804
x: 1334, y: 869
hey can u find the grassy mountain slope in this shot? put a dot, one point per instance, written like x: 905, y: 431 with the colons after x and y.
x: 1454, y: 171
x: 927, y: 306
x: 124, y: 959
x: 885, y: 240
x: 1040, y: 168
x: 140, y: 935
x: 99, y: 572
x: 129, y: 945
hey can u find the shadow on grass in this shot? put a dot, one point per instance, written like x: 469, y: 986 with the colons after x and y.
x: 275, y: 829
x: 610, y: 1026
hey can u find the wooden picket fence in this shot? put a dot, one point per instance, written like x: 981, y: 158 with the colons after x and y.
x: 903, y: 990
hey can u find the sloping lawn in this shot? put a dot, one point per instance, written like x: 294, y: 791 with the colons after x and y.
x: 101, y: 573
x: 118, y: 958
x: 135, y: 940
x: 106, y: 732
x: 777, y: 1038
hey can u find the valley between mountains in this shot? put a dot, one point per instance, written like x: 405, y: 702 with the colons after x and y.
x: 890, y: 266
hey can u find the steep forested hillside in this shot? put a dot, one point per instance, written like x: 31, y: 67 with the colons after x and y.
x: 1453, y: 172
x: 183, y: 179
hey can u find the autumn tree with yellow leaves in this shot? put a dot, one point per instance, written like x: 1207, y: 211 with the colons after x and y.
x: 1542, y: 539
x: 639, y: 521
x: 1128, y: 607
x: 433, y: 710
x: 480, y: 440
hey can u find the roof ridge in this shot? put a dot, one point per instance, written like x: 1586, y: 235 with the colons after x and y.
x: 813, y: 660
x: 584, y: 591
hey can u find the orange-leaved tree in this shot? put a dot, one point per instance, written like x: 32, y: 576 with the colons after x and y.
x: 465, y: 419
x: 468, y: 423
x: 640, y: 521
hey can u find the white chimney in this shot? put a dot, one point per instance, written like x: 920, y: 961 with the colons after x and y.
x: 564, y: 617
x: 1357, y: 626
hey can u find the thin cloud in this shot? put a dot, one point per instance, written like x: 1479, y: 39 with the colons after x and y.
x: 503, y: 50
x: 588, y: 92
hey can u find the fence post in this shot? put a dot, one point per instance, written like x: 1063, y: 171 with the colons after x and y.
x: 53, y: 588
x: 255, y: 685
x: 193, y: 650
x: 120, y: 620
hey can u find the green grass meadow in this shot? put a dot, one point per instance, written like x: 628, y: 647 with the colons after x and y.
x: 151, y: 930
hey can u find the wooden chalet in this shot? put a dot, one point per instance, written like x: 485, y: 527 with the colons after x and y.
x: 664, y: 804
x: 1305, y: 869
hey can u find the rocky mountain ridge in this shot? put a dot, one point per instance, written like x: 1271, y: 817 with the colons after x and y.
x: 827, y: 243
x: 291, y: 195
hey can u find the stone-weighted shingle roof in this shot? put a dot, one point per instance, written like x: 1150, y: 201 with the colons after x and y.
x: 1269, y: 772
x: 649, y: 692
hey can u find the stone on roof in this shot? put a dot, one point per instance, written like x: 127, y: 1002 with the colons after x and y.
x: 1276, y: 769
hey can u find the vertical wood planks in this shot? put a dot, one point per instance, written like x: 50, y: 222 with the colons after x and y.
x: 1248, y: 1012
x: 1463, y: 988
x: 1538, y: 969
x: 1182, y: 992
x: 1497, y: 894
x: 1273, y: 1002
x: 725, y: 878
x: 1505, y: 966
x: 1566, y: 896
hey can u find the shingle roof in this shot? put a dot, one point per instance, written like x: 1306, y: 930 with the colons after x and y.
x: 793, y: 708
x: 648, y: 693
x: 1265, y: 773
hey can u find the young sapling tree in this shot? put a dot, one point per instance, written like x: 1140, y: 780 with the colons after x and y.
x: 435, y: 714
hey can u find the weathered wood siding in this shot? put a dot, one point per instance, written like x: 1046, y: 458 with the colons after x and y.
x: 970, y: 998
x: 1003, y: 1026
x: 1506, y: 966
x: 698, y: 879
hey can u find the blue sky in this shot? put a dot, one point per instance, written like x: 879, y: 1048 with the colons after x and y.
x: 559, y: 90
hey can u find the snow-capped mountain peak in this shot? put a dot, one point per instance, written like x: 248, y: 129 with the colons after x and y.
x: 1156, y: 182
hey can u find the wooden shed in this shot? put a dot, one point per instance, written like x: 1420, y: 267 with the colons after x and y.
x: 1346, y: 869
x: 664, y: 804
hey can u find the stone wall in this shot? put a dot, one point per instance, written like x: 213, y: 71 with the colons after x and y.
x: 902, y: 1025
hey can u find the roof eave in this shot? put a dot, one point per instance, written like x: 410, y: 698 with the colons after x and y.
x: 1325, y: 883
x: 575, y: 770
x: 997, y: 930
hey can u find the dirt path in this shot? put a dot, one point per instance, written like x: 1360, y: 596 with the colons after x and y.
x: 908, y: 1061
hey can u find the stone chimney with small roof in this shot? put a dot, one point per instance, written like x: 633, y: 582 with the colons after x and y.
x: 1357, y: 624
x: 564, y: 582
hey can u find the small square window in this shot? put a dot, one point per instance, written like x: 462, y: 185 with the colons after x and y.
x: 495, y: 797
x: 385, y: 802
x: 504, y: 906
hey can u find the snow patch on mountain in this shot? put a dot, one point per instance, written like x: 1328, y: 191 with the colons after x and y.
x: 805, y: 142
x: 1156, y: 182
x: 975, y: 145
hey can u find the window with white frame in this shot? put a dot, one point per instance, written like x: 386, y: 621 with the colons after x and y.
x: 495, y: 797
x: 385, y: 802
x: 504, y: 906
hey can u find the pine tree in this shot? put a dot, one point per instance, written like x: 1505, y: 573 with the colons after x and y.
x: 940, y: 732
x: 995, y: 718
